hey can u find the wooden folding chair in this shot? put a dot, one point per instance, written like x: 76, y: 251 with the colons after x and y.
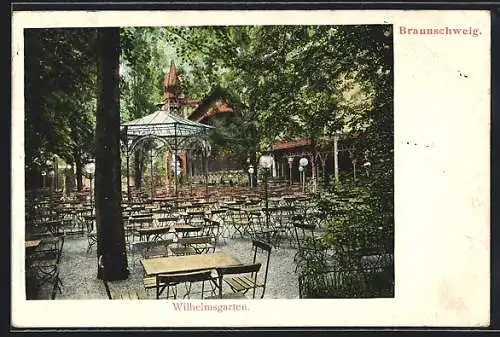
x: 127, y: 294
x: 239, y: 220
x: 241, y: 284
x: 45, y: 262
x: 193, y: 245
x: 150, y: 249
x: 308, y: 246
x: 212, y: 228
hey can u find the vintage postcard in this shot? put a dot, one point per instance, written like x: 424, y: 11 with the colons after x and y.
x: 250, y: 168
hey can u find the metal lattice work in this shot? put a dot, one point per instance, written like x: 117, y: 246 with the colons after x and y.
x: 176, y: 132
x: 164, y: 130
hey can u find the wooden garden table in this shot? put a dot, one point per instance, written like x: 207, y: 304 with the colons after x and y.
x: 31, y: 244
x: 188, y: 263
x: 154, y: 233
x: 51, y: 226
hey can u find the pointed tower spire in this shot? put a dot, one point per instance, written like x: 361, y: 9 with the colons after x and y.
x: 172, y: 90
x: 171, y: 82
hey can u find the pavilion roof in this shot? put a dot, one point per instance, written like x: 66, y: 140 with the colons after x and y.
x: 175, y: 131
x: 164, y: 124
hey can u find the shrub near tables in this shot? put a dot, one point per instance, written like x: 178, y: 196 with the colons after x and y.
x: 358, y: 236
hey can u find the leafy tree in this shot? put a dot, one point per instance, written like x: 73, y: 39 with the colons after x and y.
x: 59, y: 111
x: 309, y: 82
x: 141, y: 81
x: 288, y: 81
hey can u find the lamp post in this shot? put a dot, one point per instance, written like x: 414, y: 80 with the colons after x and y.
x: 250, y: 172
x: 303, y: 163
x: 367, y: 166
x: 301, y: 173
x: 176, y: 170
x: 90, y: 169
x: 290, y: 163
x: 336, y: 138
x: 206, y: 155
x: 55, y: 164
x: 152, y: 153
x: 266, y: 162
x: 67, y: 177
x: 51, y: 175
x: 50, y: 167
x: 43, y: 178
x: 354, y: 161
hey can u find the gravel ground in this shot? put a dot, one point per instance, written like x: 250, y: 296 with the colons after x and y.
x: 78, y: 271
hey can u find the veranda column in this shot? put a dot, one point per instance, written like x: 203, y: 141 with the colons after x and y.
x: 129, y: 197
x: 127, y: 154
x: 184, y: 168
x: 336, y: 156
x: 205, y: 170
x: 56, y: 171
x: 168, y: 156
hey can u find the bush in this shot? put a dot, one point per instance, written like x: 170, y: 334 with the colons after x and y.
x: 360, y: 236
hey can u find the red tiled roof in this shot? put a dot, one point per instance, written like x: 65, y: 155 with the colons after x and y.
x: 204, y: 108
x: 221, y: 108
x: 291, y: 144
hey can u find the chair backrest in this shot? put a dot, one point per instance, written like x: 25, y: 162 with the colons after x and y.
x: 192, y: 211
x: 142, y: 216
x: 168, y: 219
x: 192, y: 240
x: 302, y: 231
x: 211, y: 228
x: 287, y: 209
x: 57, y: 244
x: 265, y: 248
x: 188, y: 231
x: 256, y: 218
x: 142, y: 221
x: 240, y: 269
x: 238, y: 214
x: 89, y: 222
x: 148, y: 248
x: 158, y: 210
x: 174, y: 278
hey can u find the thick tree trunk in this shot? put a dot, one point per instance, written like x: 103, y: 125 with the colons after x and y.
x: 110, y: 231
x: 32, y: 104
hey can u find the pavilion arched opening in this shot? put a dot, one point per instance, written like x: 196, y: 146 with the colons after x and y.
x: 165, y: 130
